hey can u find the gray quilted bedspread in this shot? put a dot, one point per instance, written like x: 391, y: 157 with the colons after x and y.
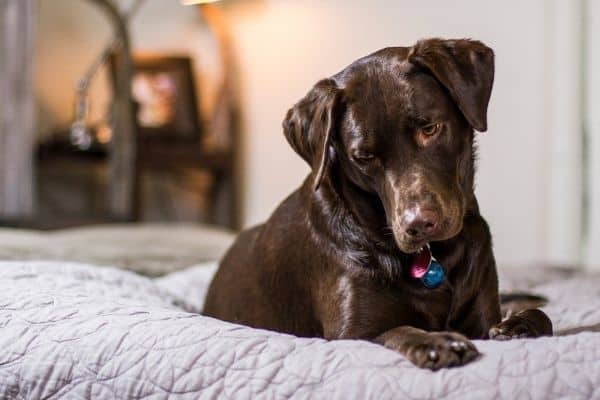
x: 78, y: 331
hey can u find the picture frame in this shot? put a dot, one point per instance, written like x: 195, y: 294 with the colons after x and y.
x: 166, y: 104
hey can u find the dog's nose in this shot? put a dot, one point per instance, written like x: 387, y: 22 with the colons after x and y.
x: 421, y: 223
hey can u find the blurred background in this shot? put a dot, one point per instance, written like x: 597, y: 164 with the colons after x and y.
x: 129, y: 111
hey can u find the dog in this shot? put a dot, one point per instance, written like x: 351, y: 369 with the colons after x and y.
x: 350, y: 254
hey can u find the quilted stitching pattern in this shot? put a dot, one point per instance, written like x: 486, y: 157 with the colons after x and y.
x: 76, y: 331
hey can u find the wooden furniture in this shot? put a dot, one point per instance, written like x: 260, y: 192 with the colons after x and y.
x: 74, y: 185
x: 176, y: 157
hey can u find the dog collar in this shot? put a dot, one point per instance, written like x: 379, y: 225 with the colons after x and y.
x: 427, y: 269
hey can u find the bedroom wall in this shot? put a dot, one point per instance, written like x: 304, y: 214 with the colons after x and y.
x: 592, y: 120
x: 284, y: 46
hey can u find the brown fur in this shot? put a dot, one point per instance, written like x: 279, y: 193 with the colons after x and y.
x: 332, y: 261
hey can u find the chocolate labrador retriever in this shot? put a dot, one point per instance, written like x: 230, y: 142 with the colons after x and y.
x: 384, y: 240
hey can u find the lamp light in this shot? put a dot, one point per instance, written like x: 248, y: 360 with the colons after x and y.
x: 193, y: 2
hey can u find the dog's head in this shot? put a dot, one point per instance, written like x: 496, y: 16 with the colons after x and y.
x: 399, y: 125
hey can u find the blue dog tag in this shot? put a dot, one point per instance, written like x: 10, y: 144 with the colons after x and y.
x: 434, y: 276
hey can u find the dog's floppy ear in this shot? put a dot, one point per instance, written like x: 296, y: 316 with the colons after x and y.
x: 465, y: 68
x: 310, y: 124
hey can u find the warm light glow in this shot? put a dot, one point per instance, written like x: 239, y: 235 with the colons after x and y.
x: 192, y: 2
x: 104, y: 134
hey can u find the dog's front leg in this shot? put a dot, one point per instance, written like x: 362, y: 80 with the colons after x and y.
x: 526, y: 323
x: 433, y: 350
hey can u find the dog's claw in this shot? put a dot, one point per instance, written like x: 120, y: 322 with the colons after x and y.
x: 433, y: 355
x: 458, y: 346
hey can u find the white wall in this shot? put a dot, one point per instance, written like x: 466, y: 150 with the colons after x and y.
x: 564, y: 132
x: 592, y: 108
x: 286, y: 46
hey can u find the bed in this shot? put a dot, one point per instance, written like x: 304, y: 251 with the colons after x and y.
x: 74, y: 329
x: 150, y: 249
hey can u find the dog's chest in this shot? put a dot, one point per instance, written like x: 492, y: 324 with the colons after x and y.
x: 429, y: 309
x: 370, y: 306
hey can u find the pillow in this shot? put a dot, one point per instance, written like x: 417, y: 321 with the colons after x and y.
x: 152, y: 249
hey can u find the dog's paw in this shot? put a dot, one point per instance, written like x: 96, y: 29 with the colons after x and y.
x: 441, y: 350
x: 526, y: 324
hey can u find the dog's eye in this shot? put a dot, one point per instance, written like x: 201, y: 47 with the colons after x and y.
x: 431, y: 129
x: 363, y: 157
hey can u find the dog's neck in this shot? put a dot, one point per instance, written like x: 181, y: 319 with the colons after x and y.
x: 365, y: 207
x: 354, y: 209
x: 348, y: 220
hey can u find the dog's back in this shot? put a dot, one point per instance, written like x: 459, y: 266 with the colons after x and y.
x: 263, y: 280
